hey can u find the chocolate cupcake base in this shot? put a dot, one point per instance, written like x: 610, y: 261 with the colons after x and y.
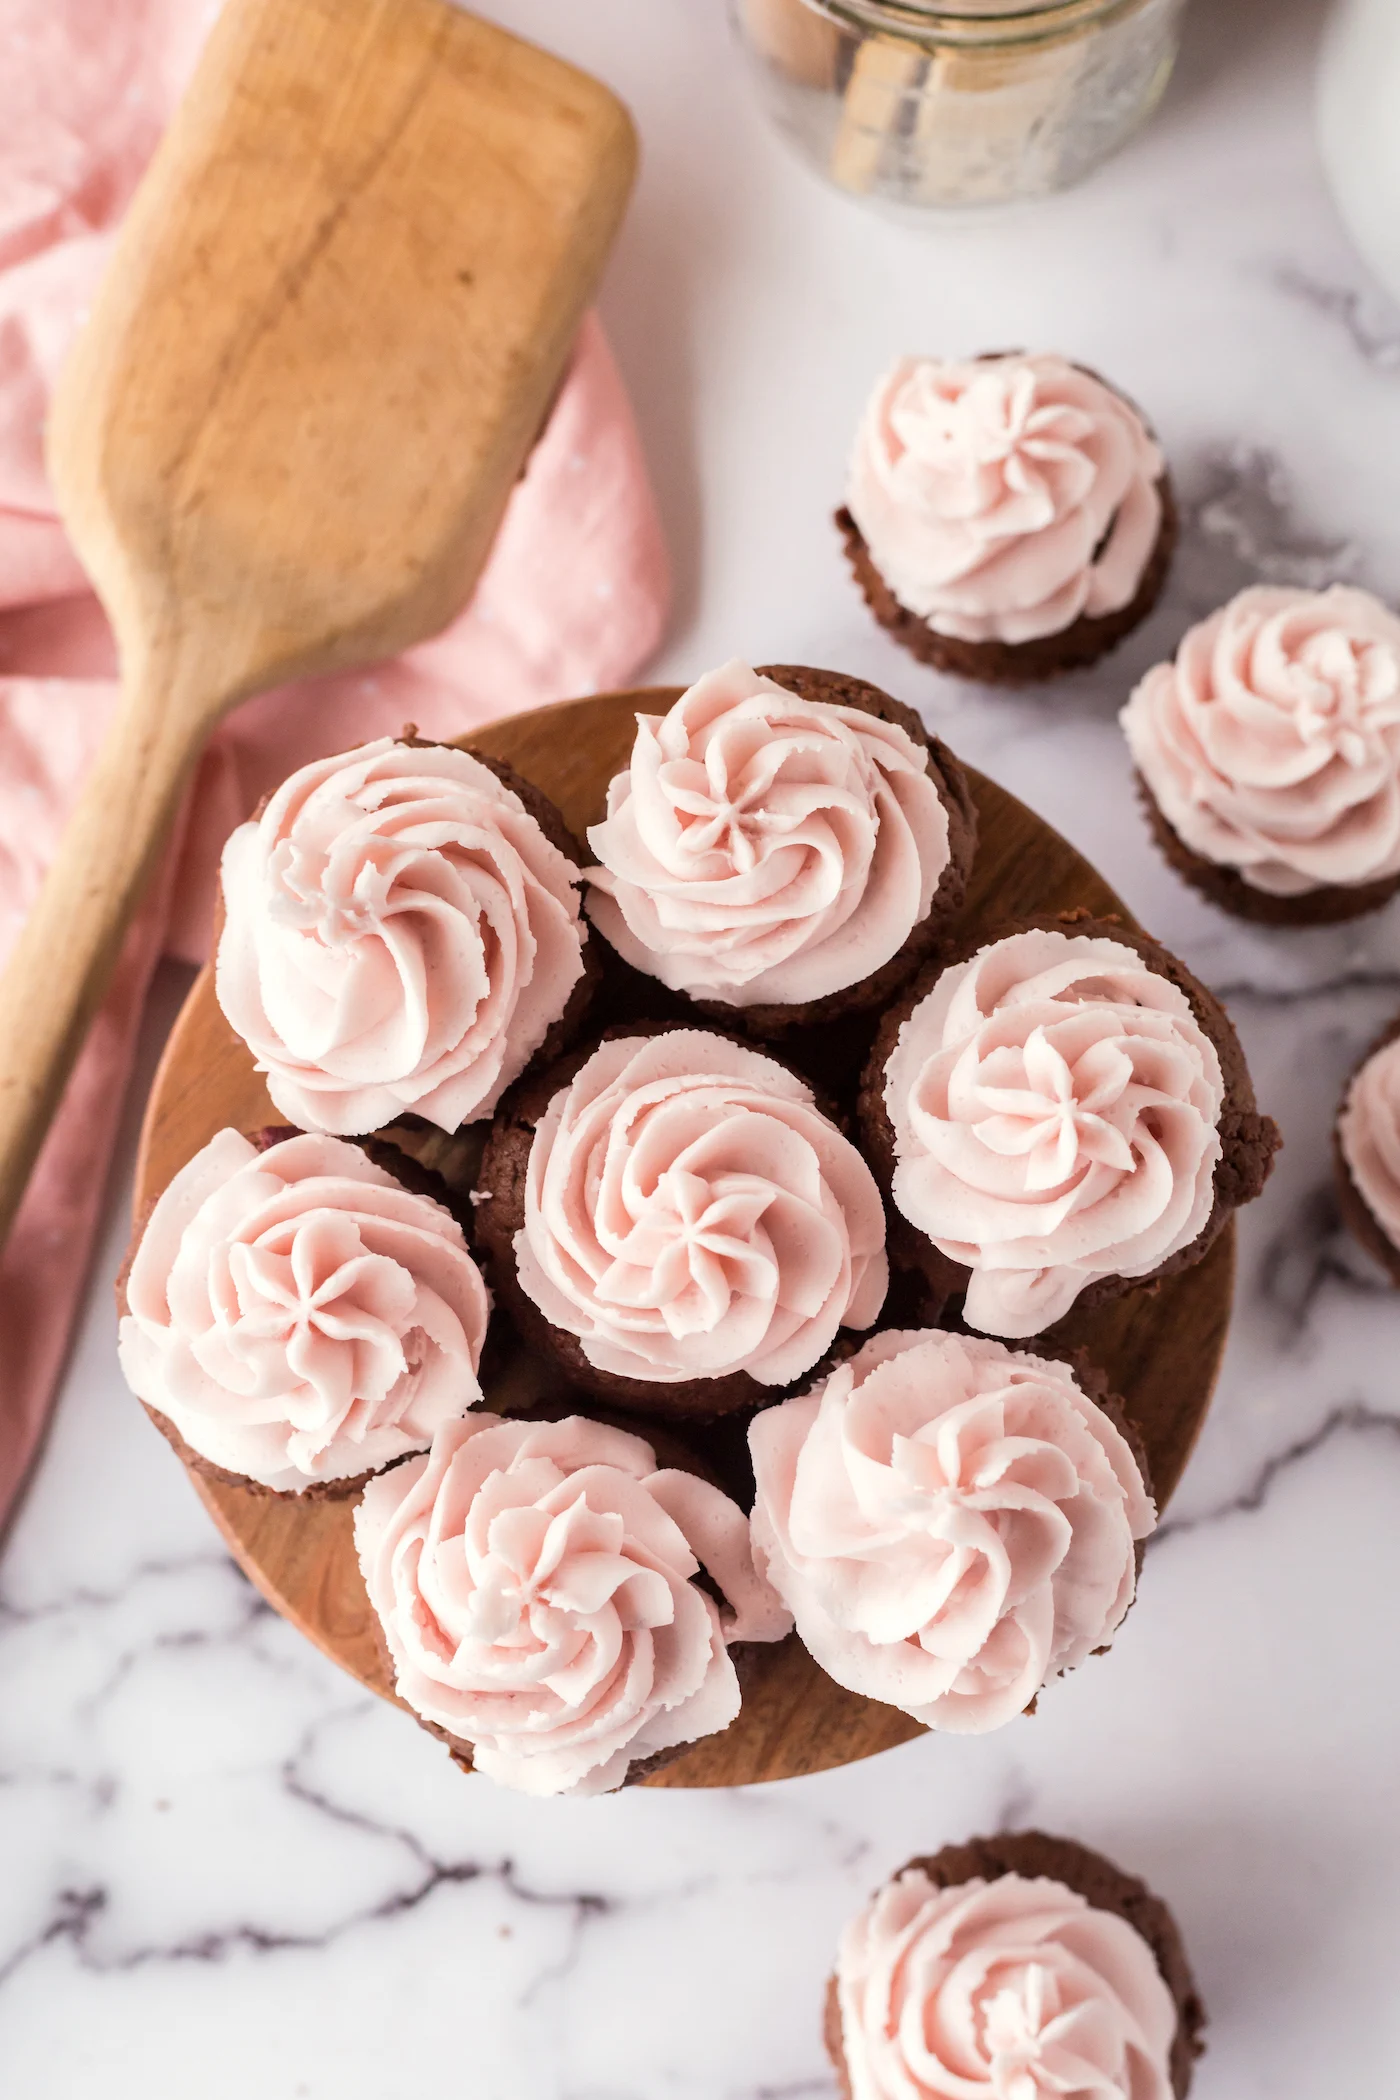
x: 846, y: 1009
x: 500, y: 1215
x: 1248, y: 1140
x: 564, y: 1031
x: 1014, y: 663
x: 671, y: 1452
x: 412, y: 1175
x: 743, y: 1655
x: 1328, y: 905
x: 1034, y: 1855
x: 872, y: 993
x: 315, y: 1490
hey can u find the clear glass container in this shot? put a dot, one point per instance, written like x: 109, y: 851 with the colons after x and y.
x: 966, y: 103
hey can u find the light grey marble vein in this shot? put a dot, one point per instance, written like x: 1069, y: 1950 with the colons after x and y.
x: 1367, y: 318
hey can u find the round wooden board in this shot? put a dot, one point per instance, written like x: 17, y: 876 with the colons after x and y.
x: 1160, y: 1349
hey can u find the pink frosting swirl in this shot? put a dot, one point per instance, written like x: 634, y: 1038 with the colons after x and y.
x: 1368, y: 1131
x: 297, y: 1315
x: 536, y: 1586
x: 1055, y: 1107
x: 1000, y: 1990
x: 950, y: 1523
x: 761, y: 847
x: 1272, y: 743
x: 1002, y: 498
x: 399, y: 934
x: 690, y: 1212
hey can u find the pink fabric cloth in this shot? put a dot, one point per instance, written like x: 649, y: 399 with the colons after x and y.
x: 572, y: 600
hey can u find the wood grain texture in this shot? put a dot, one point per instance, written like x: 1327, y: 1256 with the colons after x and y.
x: 328, y: 336
x: 1160, y: 1349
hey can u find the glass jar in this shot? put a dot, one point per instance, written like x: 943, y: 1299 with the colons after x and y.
x: 967, y: 102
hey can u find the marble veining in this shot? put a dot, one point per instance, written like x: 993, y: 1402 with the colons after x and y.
x: 1240, y: 526
x: 1351, y: 1418
x: 1367, y: 317
x: 223, y: 1867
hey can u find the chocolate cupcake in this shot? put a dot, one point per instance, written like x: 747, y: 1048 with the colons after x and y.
x: 785, y: 848
x: 401, y: 934
x: 672, y: 1220
x: 1366, y: 1152
x: 1017, y: 1962
x: 1268, y: 755
x: 951, y: 1523
x: 538, y: 1588
x: 1007, y: 517
x: 295, y: 1318
x: 1059, y: 1117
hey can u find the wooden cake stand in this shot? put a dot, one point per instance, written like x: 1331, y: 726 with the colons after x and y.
x: 1161, y: 1348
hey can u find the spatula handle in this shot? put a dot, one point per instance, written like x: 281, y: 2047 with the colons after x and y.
x: 67, y: 949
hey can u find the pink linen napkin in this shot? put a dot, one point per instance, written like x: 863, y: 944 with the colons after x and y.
x: 572, y: 600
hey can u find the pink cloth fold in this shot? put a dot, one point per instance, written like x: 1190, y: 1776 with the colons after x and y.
x: 572, y: 600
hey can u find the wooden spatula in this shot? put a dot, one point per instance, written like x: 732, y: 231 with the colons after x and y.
x: 328, y: 337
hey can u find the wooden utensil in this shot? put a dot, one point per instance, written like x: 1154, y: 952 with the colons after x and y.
x: 331, y: 329
x: 1160, y: 1347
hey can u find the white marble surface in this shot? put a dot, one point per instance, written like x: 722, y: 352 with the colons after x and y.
x: 223, y: 1870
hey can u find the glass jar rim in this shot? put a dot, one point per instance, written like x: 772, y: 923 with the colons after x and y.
x: 982, y: 20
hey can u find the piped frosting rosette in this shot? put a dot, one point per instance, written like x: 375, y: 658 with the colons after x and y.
x: 951, y: 1523
x: 690, y: 1216
x: 1005, y: 1989
x: 763, y: 848
x: 1271, y: 745
x: 1004, y: 498
x: 537, y: 1586
x: 399, y: 934
x: 1368, y: 1140
x: 297, y: 1316
x: 1054, y: 1104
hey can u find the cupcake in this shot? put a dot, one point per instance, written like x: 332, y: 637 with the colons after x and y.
x: 1268, y: 755
x: 1007, y: 517
x: 1062, y: 1115
x: 295, y: 1318
x: 951, y: 1523
x: 401, y: 934
x: 556, y: 1607
x: 784, y: 849
x: 1016, y: 1967
x: 1367, y: 1152
x: 672, y: 1220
